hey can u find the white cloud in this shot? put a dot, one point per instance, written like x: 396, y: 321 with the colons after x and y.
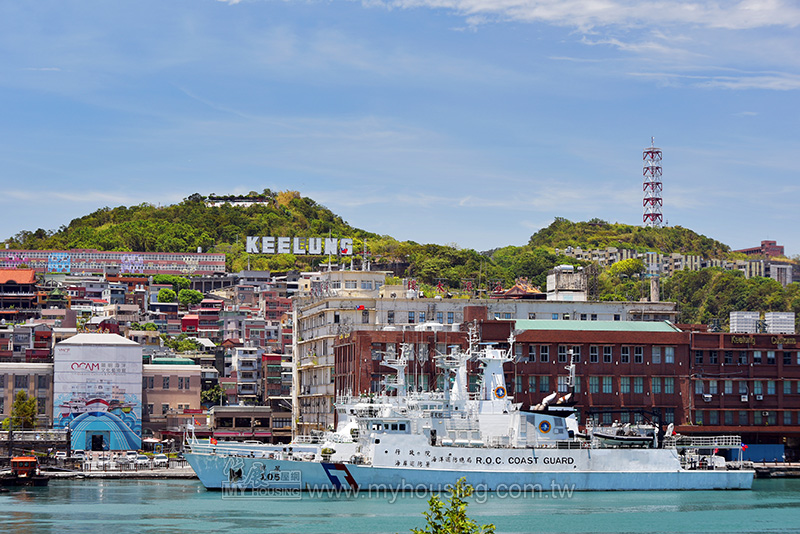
x: 588, y: 14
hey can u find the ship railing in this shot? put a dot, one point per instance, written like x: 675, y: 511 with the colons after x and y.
x: 703, y: 442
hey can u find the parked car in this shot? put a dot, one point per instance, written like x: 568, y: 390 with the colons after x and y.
x: 61, y: 455
x: 128, y: 458
x: 160, y: 460
x: 142, y: 460
x: 78, y: 455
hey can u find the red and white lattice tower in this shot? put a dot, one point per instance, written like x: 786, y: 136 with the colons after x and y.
x: 652, y: 201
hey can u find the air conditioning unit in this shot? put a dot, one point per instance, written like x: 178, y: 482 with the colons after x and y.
x: 759, y: 397
x: 707, y: 397
x: 744, y: 398
x: 764, y: 414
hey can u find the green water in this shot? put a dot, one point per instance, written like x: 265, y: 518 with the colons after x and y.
x: 172, y: 506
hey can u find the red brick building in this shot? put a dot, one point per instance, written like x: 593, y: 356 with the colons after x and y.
x: 703, y: 382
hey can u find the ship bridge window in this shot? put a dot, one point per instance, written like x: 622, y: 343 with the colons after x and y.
x: 377, y: 426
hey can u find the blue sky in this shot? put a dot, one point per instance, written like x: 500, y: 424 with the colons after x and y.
x: 473, y: 122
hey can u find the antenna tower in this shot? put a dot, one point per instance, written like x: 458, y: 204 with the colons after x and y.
x: 652, y: 186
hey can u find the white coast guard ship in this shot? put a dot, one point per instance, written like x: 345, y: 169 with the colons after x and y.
x: 409, y: 441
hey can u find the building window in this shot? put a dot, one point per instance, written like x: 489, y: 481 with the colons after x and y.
x: 616, y: 317
x: 336, y: 317
x: 655, y: 385
x: 554, y: 317
x: 450, y: 317
x: 699, y: 388
x: 422, y: 317
x: 607, y: 354
x: 440, y: 317
x: 770, y: 387
x: 607, y: 384
x: 365, y: 317
x: 743, y: 357
x: 787, y: 387
x: 351, y: 284
x: 655, y: 355
x: 164, y: 409
x: 756, y: 357
x: 669, y: 385
x: 43, y: 382
x: 577, y: 385
x: 165, y: 384
x: 411, y: 317
x: 729, y: 387
x: 624, y: 384
x: 390, y: 317
x: 562, y: 354
x: 41, y: 405
x: 144, y: 382
x: 594, y: 384
x: 151, y: 382
x: 544, y: 384
x: 757, y: 418
x: 758, y: 387
x: 728, y: 356
x: 576, y: 354
x: 698, y: 356
x: 532, y: 384
x: 638, y: 384
x: 771, y: 357
x: 638, y: 354
x: 594, y: 354
x: 712, y: 387
x: 698, y: 417
x: 625, y: 356
x: 544, y: 354
x: 149, y: 409
x: 20, y: 381
x: 669, y: 415
x: 531, y: 353
x: 583, y: 317
x: 518, y: 384
x: 742, y: 387
x: 593, y: 317
x: 787, y: 358
x: 562, y: 384
x: 669, y: 354
x: 713, y: 357
x: 531, y: 315
x: 743, y: 419
x: 366, y: 284
x: 713, y: 417
x: 728, y: 417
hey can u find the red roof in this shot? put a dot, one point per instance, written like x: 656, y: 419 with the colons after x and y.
x: 19, y: 276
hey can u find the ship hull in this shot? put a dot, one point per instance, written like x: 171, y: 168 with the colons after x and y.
x: 242, y: 473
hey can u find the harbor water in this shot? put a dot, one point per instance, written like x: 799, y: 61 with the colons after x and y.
x: 181, y: 506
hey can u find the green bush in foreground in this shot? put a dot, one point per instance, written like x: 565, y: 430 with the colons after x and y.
x: 451, y: 518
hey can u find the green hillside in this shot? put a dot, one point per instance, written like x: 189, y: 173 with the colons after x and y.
x: 190, y: 224
x: 601, y: 234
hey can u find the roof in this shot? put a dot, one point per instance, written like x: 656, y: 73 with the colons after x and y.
x: 18, y: 276
x: 97, y: 339
x: 597, y: 326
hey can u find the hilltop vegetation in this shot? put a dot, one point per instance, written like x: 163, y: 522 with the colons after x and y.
x: 191, y: 224
x: 597, y: 233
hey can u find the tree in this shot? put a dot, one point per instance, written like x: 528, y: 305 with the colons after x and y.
x: 452, y: 517
x: 188, y: 297
x: 166, y: 295
x: 23, y: 411
x: 212, y: 395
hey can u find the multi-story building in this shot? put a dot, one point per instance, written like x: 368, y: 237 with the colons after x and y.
x: 89, y: 261
x: 341, y: 302
x: 767, y: 248
x: 702, y: 382
x: 36, y: 380
x: 17, y: 295
x: 169, y: 386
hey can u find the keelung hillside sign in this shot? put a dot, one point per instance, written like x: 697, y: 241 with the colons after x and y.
x: 312, y: 246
